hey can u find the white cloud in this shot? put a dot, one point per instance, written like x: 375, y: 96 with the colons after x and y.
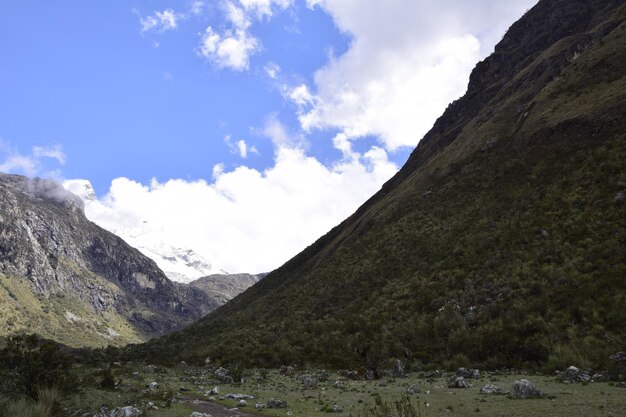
x: 264, y: 8
x: 272, y: 70
x: 52, y: 152
x: 243, y: 148
x: 231, y: 50
x: 246, y: 220
x: 233, y: 47
x: 160, y: 21
x: 406, y: 62
x: 30, y: 164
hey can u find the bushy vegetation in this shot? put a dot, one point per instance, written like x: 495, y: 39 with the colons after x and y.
x: 30, y: 367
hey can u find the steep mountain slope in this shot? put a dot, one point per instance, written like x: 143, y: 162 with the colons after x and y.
x: 67, y: 279
x: 500, y: 242
x: 224, y: 287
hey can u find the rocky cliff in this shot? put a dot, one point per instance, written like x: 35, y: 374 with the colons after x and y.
x: 67, y: 279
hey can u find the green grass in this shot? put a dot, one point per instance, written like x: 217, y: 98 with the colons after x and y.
x: 357, y: 398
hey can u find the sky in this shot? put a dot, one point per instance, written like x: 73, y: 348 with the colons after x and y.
x: 241, y: 129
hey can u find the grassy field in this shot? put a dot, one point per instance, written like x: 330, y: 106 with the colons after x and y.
x: 353, y: 396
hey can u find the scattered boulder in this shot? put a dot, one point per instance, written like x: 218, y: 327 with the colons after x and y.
x: 573, y: 374
x: 272, y: 403
x: 398, y: 369
x: 601, y: 376
x: 242, y: 403
x: 353, y: 375
x: 127, y: 411
x: 434, y: 374
x: 286, y: 370
x: 221, y: 374
x: 413, y: 389
x: 523, y: 389
x: 153, y: 385
x: 458, y: 382
x: 370, y: 374
x: 618, y: 366
x: 237, y: 397
x: 491, y: 389
x: 322, y: 375
x: 468, y: 373
x: 336, y: 409
x: 309, y: 382
x: 198, y: 414
x: 214, y: 391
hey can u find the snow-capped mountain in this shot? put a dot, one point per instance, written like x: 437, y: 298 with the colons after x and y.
x: 180, y: 264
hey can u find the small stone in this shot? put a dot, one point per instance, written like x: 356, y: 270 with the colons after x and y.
x: 286, y: 370
x: 242, y: 403
x: 337, y: 409
x: 600, y: 376
x: 198, y: 414
x: 413, y: 389
x: 153, y: 385
x: 491, y: 389
x: 353, y: 375
x: 214, y: 391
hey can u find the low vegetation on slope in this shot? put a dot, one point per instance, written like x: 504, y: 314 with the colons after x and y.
x: 501, y: 242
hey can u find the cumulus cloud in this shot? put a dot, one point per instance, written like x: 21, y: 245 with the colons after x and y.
x: 245, y: 220
x: 160, y: 21
x: 32, y: 164
x: 407, y: 60
x: 233, y: 47
x: 229, y: 50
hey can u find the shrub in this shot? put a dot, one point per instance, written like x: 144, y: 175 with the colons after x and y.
x: 28, y: 366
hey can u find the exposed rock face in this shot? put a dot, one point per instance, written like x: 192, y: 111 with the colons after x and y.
x: 524, y: 389
x: 48, y: 246
x: 224, y: 287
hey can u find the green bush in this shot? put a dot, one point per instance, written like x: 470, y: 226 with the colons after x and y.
x: 28, y: 366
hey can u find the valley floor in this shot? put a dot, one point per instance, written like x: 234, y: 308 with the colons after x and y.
x: 180, y: 391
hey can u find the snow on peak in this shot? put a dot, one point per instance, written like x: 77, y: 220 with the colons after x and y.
x: 179, y: 264
x: 81, y: 188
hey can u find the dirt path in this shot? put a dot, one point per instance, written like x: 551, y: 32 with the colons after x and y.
x: 215, y: 409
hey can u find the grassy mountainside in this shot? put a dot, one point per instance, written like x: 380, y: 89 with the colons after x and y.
x: 501, y: 242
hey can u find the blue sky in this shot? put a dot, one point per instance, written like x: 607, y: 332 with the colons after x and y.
x: 82, y: 75
x: 309, y: 106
